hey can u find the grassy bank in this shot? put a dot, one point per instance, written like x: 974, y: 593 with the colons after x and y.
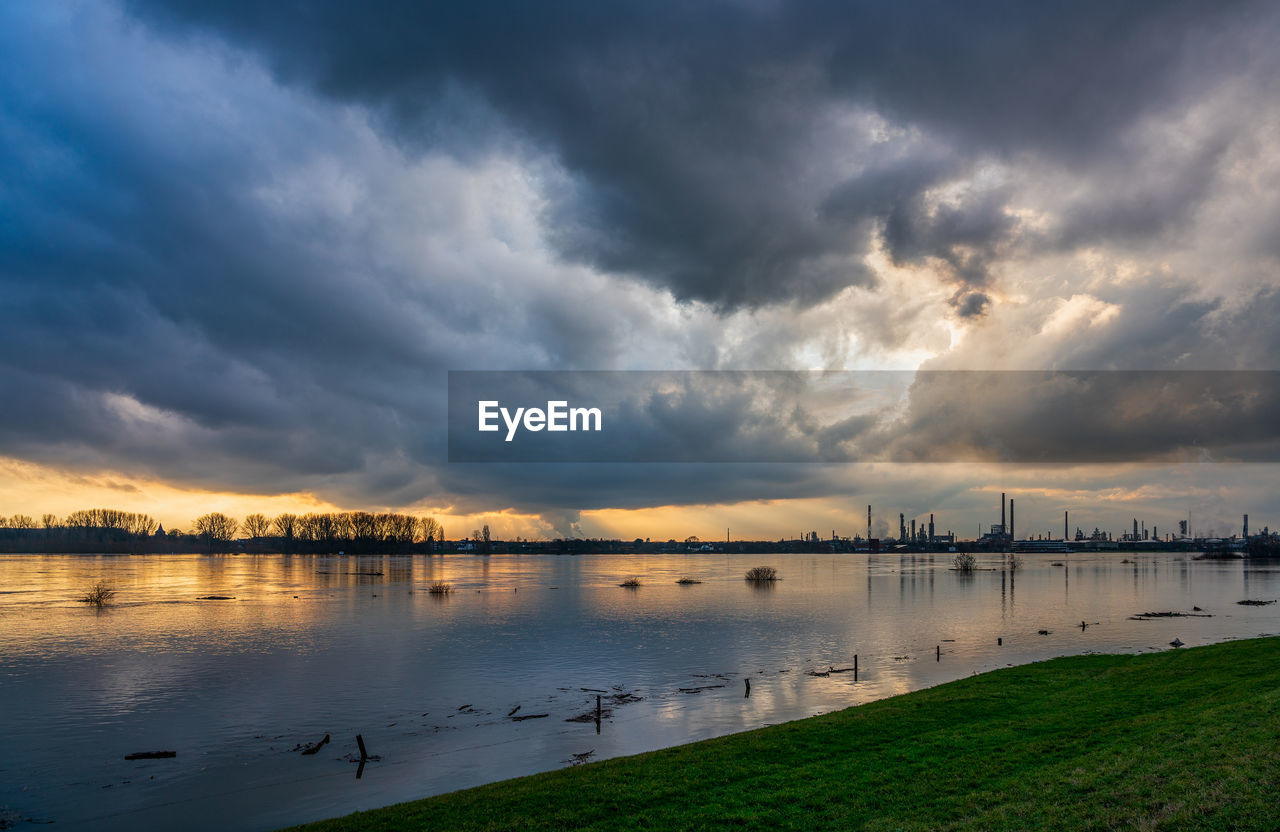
x: 1186, y: 739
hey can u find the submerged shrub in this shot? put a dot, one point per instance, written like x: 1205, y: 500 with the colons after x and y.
x: 630, y: 583
x: 758, y: 574
x: 99, y: 595
x: 440, y: 588
x: 688, y: 580
x: 964, y: 562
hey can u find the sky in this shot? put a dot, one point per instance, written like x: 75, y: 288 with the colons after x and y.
x: 242, y: 244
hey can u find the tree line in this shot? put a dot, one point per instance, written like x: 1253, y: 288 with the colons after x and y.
x: 109, y: 530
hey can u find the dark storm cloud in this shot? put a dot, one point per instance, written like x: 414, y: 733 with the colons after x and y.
x: 971, y: 305
x: 694, y: 131
x: 173, y: 308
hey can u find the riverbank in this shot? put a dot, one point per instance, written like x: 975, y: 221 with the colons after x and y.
x: 1186, y: 739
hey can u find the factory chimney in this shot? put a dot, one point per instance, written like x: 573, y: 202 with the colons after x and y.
x: 1066, y: 524
x: 902, y: 527
x: 1246, y: 527
x: 1246, y: 523
x: 868, y: 525
x: 1010, y: 519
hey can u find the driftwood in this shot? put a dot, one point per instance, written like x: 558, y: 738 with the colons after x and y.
x: 700, y: 689
x: 523, y: 717
x: 512, y: 712
x: 217, y: 598
x: 624, y: 698
x: 1248, y: 603
x: 151, y: 755
x: 314, y: 747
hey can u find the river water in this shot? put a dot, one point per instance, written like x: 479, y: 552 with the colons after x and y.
x: 320, y: 645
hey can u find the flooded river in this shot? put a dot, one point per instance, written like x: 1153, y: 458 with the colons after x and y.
x: 308, y: 646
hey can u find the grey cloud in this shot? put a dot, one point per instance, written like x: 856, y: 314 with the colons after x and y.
x: 689, y: 129
x: 971, y: 305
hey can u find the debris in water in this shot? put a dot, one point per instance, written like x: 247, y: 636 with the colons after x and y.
x: 151, y: 755
x: 312, y: 748
x: 624, y: 698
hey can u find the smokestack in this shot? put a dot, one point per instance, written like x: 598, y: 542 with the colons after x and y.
x: 913, y: 530
x: 1002, y: 526
x: 902, y: 526
x: 1246, y: 527
x: 868, y: 525
x: 931, y: 527
x: 1066, y: 524
x: 1011, y: 519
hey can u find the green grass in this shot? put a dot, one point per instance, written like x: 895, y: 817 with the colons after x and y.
x: 1186, y: 739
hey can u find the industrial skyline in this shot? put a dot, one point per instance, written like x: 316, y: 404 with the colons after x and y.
x: 240, y: 258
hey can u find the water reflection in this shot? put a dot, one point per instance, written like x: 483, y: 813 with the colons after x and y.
x: 451, y: 690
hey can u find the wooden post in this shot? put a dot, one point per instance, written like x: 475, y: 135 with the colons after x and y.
x: 364, y: 755
x: 598, y: 713
x: 939, y: 654
x: 748, y: 693
x: 1000, y: 641
x: 855, y: 662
